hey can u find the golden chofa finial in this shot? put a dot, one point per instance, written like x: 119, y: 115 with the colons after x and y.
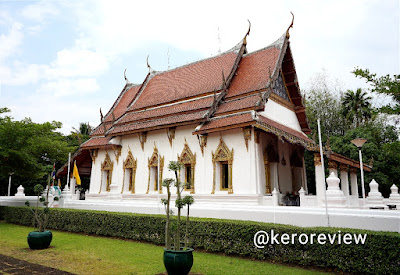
x: 248, y: 33
x: 291, y: 26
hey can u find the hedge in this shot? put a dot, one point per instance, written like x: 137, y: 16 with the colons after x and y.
x: 379, y: 255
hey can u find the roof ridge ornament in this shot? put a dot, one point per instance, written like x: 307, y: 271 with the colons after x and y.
x: 126, y: 79
x: 291, y: 26
x: 151, y: 71
x: 248, y: 33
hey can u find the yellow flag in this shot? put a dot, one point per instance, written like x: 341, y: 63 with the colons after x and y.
x: 76, y: 174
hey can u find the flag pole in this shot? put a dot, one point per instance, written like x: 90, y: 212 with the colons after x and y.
x: 69, y: 168
x: 323, y: 170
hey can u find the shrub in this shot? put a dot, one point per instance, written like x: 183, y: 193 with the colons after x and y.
x: 379, y: 255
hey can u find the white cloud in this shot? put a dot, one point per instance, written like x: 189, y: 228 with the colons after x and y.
x: 40, y: 11
x: 77, y: 62
x: 10, y: 42
x: 70, y: 87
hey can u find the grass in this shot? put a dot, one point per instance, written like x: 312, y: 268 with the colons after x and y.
x: 84, y: 254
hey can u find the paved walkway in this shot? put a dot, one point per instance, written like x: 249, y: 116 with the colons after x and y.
x: 10, y: 265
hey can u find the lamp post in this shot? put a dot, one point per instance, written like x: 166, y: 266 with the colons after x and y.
x: 9, y: 183
x: 359, y: 142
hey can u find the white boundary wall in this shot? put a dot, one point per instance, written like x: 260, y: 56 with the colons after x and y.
x: 240, y: 208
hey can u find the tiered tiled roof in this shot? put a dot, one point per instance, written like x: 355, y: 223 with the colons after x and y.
x: 214, y: 94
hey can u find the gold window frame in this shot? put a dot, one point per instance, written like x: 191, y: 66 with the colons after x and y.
x: 130, y: 163
x: 222, y: 154
x: 153, y: 162
x: 188, y: 158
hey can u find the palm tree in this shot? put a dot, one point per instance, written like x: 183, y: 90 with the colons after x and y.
x: 83, y: 133
x: 356, y: 106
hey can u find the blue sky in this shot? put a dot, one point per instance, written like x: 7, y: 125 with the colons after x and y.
x: 63, y: 60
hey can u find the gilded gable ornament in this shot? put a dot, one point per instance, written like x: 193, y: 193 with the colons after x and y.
x: 247, y: 137
x: 93, y: 154
x: 171, y: 134
x: 117, y: 152
x: 202, y: 143
x: 142, y: 138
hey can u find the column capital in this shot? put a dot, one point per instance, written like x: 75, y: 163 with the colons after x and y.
x: 353, y: 170
x: 317, y: 159
x: 343, y: 167
x: 332, y: 164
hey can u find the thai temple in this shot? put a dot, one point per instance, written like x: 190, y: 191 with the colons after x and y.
x: 237, y: 122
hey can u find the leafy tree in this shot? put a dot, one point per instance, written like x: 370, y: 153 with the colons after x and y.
x: 356, y: 106
x: 382, y: 145
x: 323, y: 102
x: 29, y: 150
x: 82, y: 134
x: 386, y: 85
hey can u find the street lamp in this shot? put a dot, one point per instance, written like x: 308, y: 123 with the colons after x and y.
x: 359, y: 142
x: 9, y: 182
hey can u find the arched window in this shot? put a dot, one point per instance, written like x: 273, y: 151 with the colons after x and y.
x: 188, y: 159
x: 222, y: 167
x: 130, y: 165
x: 155, y: 174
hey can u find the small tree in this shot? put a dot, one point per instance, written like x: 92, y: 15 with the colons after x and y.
x: 187, y: 200
x: 41, y: 218
x: 179, y: 203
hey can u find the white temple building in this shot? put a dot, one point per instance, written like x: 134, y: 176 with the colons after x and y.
x: 238, y: 124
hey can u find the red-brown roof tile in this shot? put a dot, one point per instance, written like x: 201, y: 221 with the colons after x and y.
x: 99, y: 130
x: 96, y: 142
x: 243, y: 103
x: 187, y: 81
x: 254, y: 71
x: 161, y: 122
x: 226, y: 121
x: 122, y: 102
x: 179, y: 108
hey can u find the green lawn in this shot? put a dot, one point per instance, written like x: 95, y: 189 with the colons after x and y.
x: 98, y: 255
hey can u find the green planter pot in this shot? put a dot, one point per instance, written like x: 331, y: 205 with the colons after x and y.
x: 39, y: 240
x: 178, y: 262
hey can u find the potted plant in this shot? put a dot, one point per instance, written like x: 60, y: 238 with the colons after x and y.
x: 41, y: 239
x: 177, y: 259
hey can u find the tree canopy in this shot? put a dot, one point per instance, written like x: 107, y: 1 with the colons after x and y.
x: 387, y: 85
x: 29, y: 150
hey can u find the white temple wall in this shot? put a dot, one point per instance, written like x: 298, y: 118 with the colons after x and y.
x: 245, y: 170
x: 281, y: 114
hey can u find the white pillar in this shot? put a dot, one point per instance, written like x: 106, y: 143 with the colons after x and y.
x: 344, y: 179
x: 9, y: 185
x: 320, y: 187
x: 72, y: 185
x: 353, y: 182
x: 275, y: 197
x: 302, y: 195
x: 274, y: 176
